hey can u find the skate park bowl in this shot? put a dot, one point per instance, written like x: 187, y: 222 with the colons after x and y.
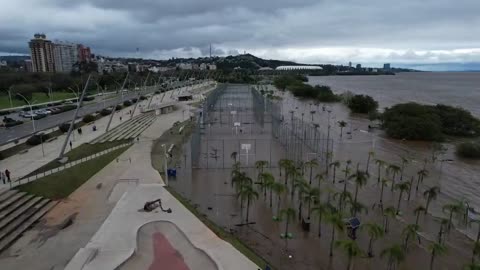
x: 162, y: 245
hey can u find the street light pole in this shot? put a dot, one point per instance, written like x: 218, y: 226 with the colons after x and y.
x: 165, y: 164
x: 31, y: 110
x: 10, y: 95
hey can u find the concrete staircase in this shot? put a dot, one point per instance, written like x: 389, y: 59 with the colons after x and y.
x: 18, y: 212
x: 129, y: 129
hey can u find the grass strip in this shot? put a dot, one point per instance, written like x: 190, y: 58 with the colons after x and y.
x: 60, y: 185
x: 220, y: 232
x: 80, y: 152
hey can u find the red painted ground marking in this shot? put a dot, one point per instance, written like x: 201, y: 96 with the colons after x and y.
x: 166, y: 257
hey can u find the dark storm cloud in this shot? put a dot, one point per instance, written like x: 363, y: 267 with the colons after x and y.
x: 304, y: 30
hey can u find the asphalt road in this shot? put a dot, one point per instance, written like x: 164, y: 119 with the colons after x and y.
x: 23, y: 130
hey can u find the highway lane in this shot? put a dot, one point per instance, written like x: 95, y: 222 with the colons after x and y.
x: 26, y: 129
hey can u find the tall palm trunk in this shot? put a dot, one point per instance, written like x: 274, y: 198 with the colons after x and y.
x: 320, y: 225
x: 311, y: 171
x: 399, y: 201
x: 248, y: 209
x: 432, y: 259
x: 270, y: 197
x: 370, y: 247
x: 332, y: 240
x: 334, y: 172
x: 278, y: 205
x: 428, y: 204
x: 410, y: 188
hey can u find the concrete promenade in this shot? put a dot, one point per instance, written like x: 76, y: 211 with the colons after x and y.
x: 69, y: 226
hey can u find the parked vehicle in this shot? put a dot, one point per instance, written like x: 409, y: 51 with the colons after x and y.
x: 29, y: 115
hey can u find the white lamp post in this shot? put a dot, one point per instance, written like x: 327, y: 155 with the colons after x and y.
x: 31, y: 110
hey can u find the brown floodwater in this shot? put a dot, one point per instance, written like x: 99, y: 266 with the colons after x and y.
x: 208, y: 186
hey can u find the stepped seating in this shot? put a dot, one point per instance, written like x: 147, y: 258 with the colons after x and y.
x: 18, y: 212
x: 129, y: 129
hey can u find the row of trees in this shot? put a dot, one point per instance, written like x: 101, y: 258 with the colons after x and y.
x: 297, y: 188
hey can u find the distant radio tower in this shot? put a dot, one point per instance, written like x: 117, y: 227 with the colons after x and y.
x: 210, y: 50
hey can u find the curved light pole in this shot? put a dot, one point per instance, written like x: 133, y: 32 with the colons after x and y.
x: 31, y: 110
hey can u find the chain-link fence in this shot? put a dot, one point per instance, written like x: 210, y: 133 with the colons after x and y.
x: 237, y: 123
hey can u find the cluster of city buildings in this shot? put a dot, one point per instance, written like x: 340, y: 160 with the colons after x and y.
x: 48, y: 56
x: 107, y: 66
x: 358, y: 67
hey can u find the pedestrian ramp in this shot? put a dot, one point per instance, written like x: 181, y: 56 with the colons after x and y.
x: 129, y: 129
x: 18, y: 212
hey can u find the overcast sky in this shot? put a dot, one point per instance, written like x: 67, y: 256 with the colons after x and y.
x: 309, y: 31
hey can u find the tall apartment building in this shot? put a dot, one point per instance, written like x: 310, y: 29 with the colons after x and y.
x: 65, y: 55
x: 42, y: 54
x: 84, y: 54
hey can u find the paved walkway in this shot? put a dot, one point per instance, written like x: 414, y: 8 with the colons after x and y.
x: 21, y: 165
x: 54, y: 241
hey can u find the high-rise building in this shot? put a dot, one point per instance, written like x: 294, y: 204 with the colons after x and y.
x: 28, y: 65
x: 42, y: 54
x: 349, y: 64
x: 65, y: 55
x: 84, y: 54
x: 359, y: 66
x: 386, y: 66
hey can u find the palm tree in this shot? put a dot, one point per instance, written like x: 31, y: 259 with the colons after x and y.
x: 436, y: 249
x: 371, y: 154
x: 403, y: 187
x: 410, y: 188
x: 234, y: 156
x: 360, y: 179
x: 417, y: 213
x: 342, y: 124
x: 335, y: 166
x: 287, y: 165
x: 351, y: 249
x: 443, y: 224
x: 296, y: 176
x: 313, y: 163
x: 319, y: 178
x: 288, y: 214
x: 334, y: 218
x: 453, y: 208
x: 404, y: 163
x: 430, y: 194
x: 384, y: 184
x: 357, y: 207
x: 421, y: 175
x: 346, y: 171
x: 411, y: 230
x: 389, y: 212
x: 311, y: 195
x: 343, y: 198
x: 321, y: 209
x: 249, y: 194
x: 301, y: 186
x: 260, y: 165
x: 381, y: 164
x: 394, y: 169
x: 279, y: 189
x: 395, y: 255
x: 269, y: 182
x: 375, y: 232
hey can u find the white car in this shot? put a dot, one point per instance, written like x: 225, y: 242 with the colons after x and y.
x: 68, y: 102
x: 29, y: 115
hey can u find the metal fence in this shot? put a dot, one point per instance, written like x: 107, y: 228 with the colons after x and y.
x: 237, y: 123
x: 24, y: 180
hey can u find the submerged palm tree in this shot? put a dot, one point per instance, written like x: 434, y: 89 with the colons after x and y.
x: 417, y: 213
x: 395, y: 255
x: 249, y: 194
x: 311, y: 195
x: 436, y: 249
x: 383, y: 183
x: 360, y: 179
x: 335, y: 166
x: 288, y: 215
x: 286, y: 165
x: 351, y: 249
x: 430, y: 194
x: 421, y: 175
x: 334, y: 218
x: 346, y: 171
x: 269, y: 182
x: 380, y: 164
x: 403, y: 187
x: 389, y: 212
x: 394, y: 169
x: 302, y: 187
x: 278, y: 189
x: 475, y: 251
x: 404, y: 163
x: 311, y: 164
x: 375, y: 232
x: 453, y: 208
x: 321, y: 209
x: 410, y: 231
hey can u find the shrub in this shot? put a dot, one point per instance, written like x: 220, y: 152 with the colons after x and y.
x: 134, y: 100
x: 127, y: 103
x: 118, y: 107
x: 105, y: 112
x: 362, y: 104
x: 157, y: 92
x: 143, y: 97
x: 325, y: 94
x: 457, y: 121
x: 88, y: 118
x: 4, y: 113
x: 37, y: 139
x: 469, y: 150
x: 68, y: 108
x: 64, y: 127
x: 412, y: 121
